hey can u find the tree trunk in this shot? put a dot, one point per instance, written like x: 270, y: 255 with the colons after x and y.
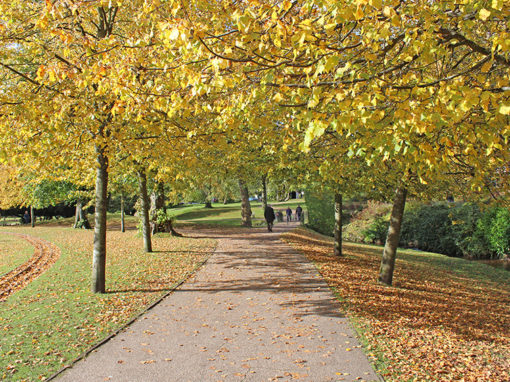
x: 157, y: 200
x: 338, y: 224
x: 80, y: 218
x: 32, y: 216
x: 99, y: 254
x: 264, y: 192
x: 145, y: 205
x: 245, y: 205
x: 122, y: 223
x: 390, y: 248
x: 282, y: 193
x: 77, y: 213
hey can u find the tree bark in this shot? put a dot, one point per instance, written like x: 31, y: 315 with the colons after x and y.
x: 145, y: 205
x: 245, y: 205
x: 264, y: 192
x: 80, y: 216
x: 208, y: 201
x: 99, y: 254
x: 122, y: 223
x: 77, y: 213
x: 392, y: 239
x: 338, y: 224
x: 157, y: 200
x: 32, y: 216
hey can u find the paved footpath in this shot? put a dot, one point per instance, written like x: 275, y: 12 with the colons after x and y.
x: 257, y: 311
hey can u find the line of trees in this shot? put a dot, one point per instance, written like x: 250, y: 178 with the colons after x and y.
x: 395, y: 98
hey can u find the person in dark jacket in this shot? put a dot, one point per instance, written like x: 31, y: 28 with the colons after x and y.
x: 299, y: 211
x: 269, y: 216
x: 289, y: 214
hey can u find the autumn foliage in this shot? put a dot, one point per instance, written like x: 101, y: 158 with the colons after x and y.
x: 445, y: 319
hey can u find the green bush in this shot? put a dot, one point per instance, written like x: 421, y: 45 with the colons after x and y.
x: 460, y: 229
x: 377, y: 231
x: 369, y: 225
x: 468, y: 237
x: 321, y: 212
x: 494, y: 227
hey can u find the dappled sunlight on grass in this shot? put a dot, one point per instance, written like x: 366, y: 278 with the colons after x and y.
x: 440, y: 321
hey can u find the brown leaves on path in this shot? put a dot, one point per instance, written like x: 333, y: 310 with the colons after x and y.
x: 436, y: 323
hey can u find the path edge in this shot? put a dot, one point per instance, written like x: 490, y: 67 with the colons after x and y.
x: 350, y: 320
x: 131, y: 321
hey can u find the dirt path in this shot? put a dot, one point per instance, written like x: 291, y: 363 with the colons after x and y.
x: 257, y: 311
x: 45, y: 255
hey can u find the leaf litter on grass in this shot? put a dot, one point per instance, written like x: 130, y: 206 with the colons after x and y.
x: 56, y: 318
x: 435, y: 324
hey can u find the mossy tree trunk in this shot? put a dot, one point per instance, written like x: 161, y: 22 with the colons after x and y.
x: 392, y: 239
x: 245, y: 205
x: 80, y: 217
x: 157, y: 202
x: 144, y: 213
x: 338, y: 224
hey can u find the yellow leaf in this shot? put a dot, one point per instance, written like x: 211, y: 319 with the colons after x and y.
x: 359, y: 13
x: 504, y: 109
x: 484, y: 14
x: 497, y: 4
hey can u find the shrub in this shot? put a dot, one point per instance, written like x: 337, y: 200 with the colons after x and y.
x: 468, y: 237
x: 460, y: 229
x: 494, y: 227
x: 429, y: 227
x: 363, y: 227
x: 377, y: 231
x: 321, y: 213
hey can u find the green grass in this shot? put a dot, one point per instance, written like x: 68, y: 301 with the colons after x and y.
x: 56, y: 318
x: 227, y: 214
x: 14, y: 251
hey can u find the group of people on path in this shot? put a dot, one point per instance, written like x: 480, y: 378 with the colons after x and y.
x: 270, y: 216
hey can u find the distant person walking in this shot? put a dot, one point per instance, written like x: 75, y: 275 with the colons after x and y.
x: 289, y: 214
x: 269, y: 216
x: 299, y: 213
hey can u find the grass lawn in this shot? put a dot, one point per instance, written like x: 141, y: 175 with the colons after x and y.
x: 56, y: 318
x: 14, y: 251
x: 445, y: 319
x: 228, y: 214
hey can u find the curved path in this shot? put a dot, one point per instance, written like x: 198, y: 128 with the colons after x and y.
x: 45, y: 254
x: 257, y: 311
